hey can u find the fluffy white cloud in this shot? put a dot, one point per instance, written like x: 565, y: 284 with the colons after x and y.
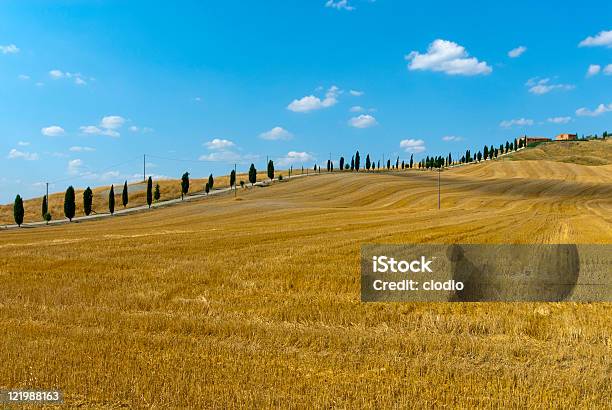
x: 449, y: 138
x: 311, y: 103
x: 15, y: 154
x: 108, y: 126
x: 81, y: 149
x: 276, y: 133
x: 544, y: 86
x: 219, y: 144
x: 23, y: 143
x: 339, y: 4
x: 52, y: 131
x: 363, y: 121
x: 56, y: 74
x: 294, y: 157
x: 601, y: 109
x: 413, y: 145
x: 447, y: 57
x: 559, y: 120
x: 9, y: 49
x: 78, y: 78
x: 603, y: 38
x: 356, y: 108
x: 608, y: 70
x: 74, y: 166
x: 516, y: 52
x: 593, y: 69
x: 522, y: 122
x: 356, y: 93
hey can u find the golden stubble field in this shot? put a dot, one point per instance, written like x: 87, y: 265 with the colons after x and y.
x: 254, y: 302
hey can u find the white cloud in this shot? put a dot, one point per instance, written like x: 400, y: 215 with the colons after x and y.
x: 339, y: 5
x: 356, y: 93
x: 544, y: 86
x: 79, y: 81
x: 23, y: 143
x: 23, y: 77
x: 144, y: 130
x: 559, y: 120
x: 363, y: 121
x: 522, y: 122
x: 134, y: 128
x: 356, y: 108
x: 603, y: 38
x: 108, y: 126
x: 112, y: 122
x: 227, y: 156
x: 413, y: 145
x: 78, y: 78
x: 449, y: 138
x: 52, y: 131
x: 94, y: 130
x: 276, y: 133
x: 516, y: 52
x: 593, y: 69
x: 447, y: 57
x: 9, y: 49
x: 608, y: 70
x: 294, y: 157
x: 74, y: 166
x: 601, y: 109
x: 311, y: 103
x: 15, y: 154
x: 56, y: 74
x: 81, y: 149
x: 219, y: 144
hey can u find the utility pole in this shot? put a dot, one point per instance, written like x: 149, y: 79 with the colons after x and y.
x: 144, y: 168
x: 236, y: 176
x: 439, y: 171
x: 47, y: 196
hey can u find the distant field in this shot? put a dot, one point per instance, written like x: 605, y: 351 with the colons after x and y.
x: 595, y: 152
x: 254, y: 302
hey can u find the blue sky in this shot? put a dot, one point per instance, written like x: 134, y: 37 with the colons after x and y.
x: 88, y: 87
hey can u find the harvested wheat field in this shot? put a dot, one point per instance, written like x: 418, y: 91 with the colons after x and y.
x: 255, y: 302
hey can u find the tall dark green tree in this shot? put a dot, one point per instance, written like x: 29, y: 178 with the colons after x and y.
x: 397, y: 163
x: 150, y: 191
x: 18, y: 210
x: 207, y: 188
x: 328, y: 165
x: 157, y: 193
x: 124, y: 195
x: 233, y: 179
x: 486, y: 152
x: 253, y: 174
x: 357, y: 161
x: 411, y: 160
x: 45, y: 207
x: 211, y: 182
x: 111, y: 200
x: 341, y: 163
x: 184, y: 184
x: 368, y: 162
x: 87, y: 200
x: 388, y: 164
x: 353, y: 163
x: 69, y: 203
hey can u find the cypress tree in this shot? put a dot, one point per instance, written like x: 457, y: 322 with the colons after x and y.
x: 18, y: 210
x: 44, y: 207
x: 232, y: 178
x: 150, y: 191
x: 411, y: 160
x: 357, y: 161
x: 403, y: 165
x: 479, y: 155
x: 368, y: 163
x: 253, y: 174
x: 69, y: 203
x: 331, y: 166
x: 353, y: 163
x: 397, y: 163
x: 184, y: 184
x: 341, y: 163
x: 486, y: 152
x: 207, y: 188
x: 124, y: 195
x: 157, y: 193
x: 328, y: 165
x: 211, y: 182
x: 87, y: 201
x: 388, y: 164
x: 111, y: 200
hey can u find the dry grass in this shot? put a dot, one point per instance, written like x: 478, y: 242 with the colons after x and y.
x: 254, y: 302
x: 593, y: 152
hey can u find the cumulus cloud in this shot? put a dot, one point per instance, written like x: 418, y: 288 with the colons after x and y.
x: 356, y: 93
x: 602, y: 39
x: 413, y: 145
x: 74, y: 166
x: 449, y: 138
x: 544, y: 86
x: 608, y: 70
x: 447, y: 57
x: 311, y: 103
x: 276, y: 133
x: 28, y: 156
x: 601, y: 109
x: 78, y: 78
x: 516, y: 52
x: 339, y: 5
x: 522, y: 122
x: 52, y: 131
x: 294, y: 157
x: 356, y: 108
x: 219, y: 144
x: 9, y: 49
x: 559, y: 120
x: 108, y: 126
x: 81, y: 149
x: 363, y: 121
x: 593, y: 69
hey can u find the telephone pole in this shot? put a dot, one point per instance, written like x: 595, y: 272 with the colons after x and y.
x: 439, y: 171
x: 144, y: 168
x: 235, y: 177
